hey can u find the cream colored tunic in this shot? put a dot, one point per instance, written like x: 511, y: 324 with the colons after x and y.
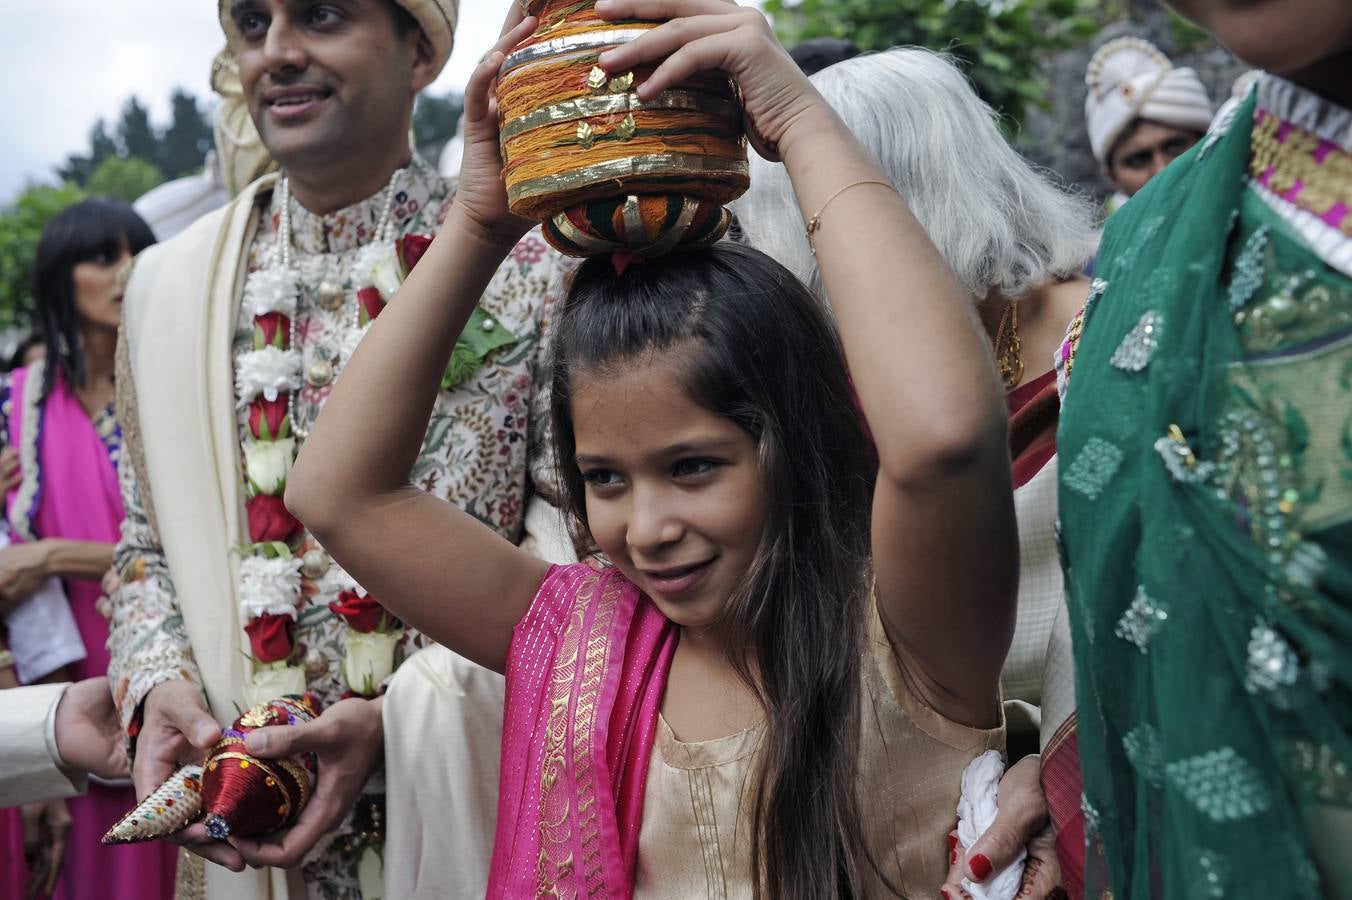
x: 694, y: 840
x: 1038, y: 679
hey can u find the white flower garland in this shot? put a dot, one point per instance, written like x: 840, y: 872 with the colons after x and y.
x: 268, y: 373
x: 269, y: 587
x: 336, y: 580
x: 271, y: 290
x: 351, y: 338
x: 267, y: 464
x: 382, y: 261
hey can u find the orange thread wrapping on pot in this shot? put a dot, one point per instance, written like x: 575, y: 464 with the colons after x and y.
x: 578, y: 144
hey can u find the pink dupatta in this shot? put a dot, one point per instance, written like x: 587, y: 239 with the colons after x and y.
x: 585, y: 677
x: 69, y: 489
x: 69, y: 486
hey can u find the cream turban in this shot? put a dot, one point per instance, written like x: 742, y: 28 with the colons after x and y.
x: 1131, y: 79
x: 436, y: 17
x: 239, y: 149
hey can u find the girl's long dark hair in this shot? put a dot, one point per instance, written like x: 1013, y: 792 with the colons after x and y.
x: 757, y: 348
x: 90, y: 230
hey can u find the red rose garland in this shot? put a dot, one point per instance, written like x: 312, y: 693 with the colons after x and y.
x: 270, y: 594
x: 269, y: 520
x: 272, y: 637
x: 373, y: 634
x: 410, y: 249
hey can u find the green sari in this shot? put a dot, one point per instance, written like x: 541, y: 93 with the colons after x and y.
x: 1206, y: 515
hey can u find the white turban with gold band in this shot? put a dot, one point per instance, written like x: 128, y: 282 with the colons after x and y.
x: 1130, y: 79
x: 239, y: 149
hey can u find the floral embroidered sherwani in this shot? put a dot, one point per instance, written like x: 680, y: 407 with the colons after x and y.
x: 475, y: 453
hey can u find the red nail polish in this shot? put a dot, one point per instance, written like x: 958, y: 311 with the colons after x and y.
x: 944, y: 891
x: 953, y: 857
x: 980, y: 866
x: 952, y: 841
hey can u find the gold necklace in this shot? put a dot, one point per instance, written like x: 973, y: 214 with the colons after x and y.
x: 1008, y: 347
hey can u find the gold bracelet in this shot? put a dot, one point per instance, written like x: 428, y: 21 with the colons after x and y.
x: 814, y: 224
x: 6, y: 659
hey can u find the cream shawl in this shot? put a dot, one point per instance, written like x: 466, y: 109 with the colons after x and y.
x: 180, y: 314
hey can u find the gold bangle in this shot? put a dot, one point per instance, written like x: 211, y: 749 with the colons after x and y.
x: 814, y: 224
x: 6, y: 659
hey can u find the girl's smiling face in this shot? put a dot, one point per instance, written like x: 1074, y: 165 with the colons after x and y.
x: 673, y: 490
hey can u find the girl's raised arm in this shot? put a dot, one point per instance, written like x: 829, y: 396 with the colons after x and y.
x: 944, y: 536
x: 426, y: 560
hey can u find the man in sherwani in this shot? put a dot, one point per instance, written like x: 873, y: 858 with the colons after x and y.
x: 234, y: 334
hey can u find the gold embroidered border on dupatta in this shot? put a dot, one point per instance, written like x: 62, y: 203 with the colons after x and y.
x: 128, y: 418
x: 556, y: 870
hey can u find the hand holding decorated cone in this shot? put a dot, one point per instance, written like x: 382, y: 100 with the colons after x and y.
x: 245, y: 796
x: 171, y: 807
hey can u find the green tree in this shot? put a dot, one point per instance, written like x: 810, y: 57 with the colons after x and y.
x: 21, y: 225
x: 999, y: 43
x: 187, y: 139
x: 135, y: 135
x: 123, y: 179
x: 172, y: 152
x: 101, y: 146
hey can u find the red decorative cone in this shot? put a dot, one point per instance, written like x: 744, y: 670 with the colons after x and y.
x: 246, y: 796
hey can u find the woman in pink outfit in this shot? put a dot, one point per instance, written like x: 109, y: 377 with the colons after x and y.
x: 64, y: 519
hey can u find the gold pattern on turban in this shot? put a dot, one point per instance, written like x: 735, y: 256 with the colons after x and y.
x: 239, y: 149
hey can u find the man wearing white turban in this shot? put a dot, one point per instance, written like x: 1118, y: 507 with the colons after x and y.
x: 1142, y: 112
x: 235, y: 331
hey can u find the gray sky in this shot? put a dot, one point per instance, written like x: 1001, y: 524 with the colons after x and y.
x: 68, y: 62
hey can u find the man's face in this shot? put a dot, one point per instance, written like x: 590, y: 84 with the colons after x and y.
x: 328, y: 80
x: 1279, y: 36
x: 1141, y: 154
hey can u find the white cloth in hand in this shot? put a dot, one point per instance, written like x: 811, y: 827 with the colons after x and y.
x: 42, y: 633
x: 976, y: 813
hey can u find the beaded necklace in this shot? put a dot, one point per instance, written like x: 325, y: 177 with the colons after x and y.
x: 381, y: 239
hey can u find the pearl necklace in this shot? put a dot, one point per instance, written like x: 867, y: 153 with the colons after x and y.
x: 382, y: 236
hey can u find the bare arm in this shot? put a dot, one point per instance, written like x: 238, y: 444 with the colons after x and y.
x: 78, y: 559
x: 24, y: 567
x: 944, y: 537
x: 426, y: 560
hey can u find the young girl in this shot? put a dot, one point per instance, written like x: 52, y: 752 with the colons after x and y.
x: 772, y: 688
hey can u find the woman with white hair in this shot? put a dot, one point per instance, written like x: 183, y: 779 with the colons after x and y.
x: 1018, y: 244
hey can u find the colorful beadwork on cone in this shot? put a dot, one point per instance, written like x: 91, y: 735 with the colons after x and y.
x: 244, y: 795
x: 169, y: 808
x: 602, y: 170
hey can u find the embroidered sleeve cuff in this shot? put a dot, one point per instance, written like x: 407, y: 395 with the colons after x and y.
x: 138, y: 681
